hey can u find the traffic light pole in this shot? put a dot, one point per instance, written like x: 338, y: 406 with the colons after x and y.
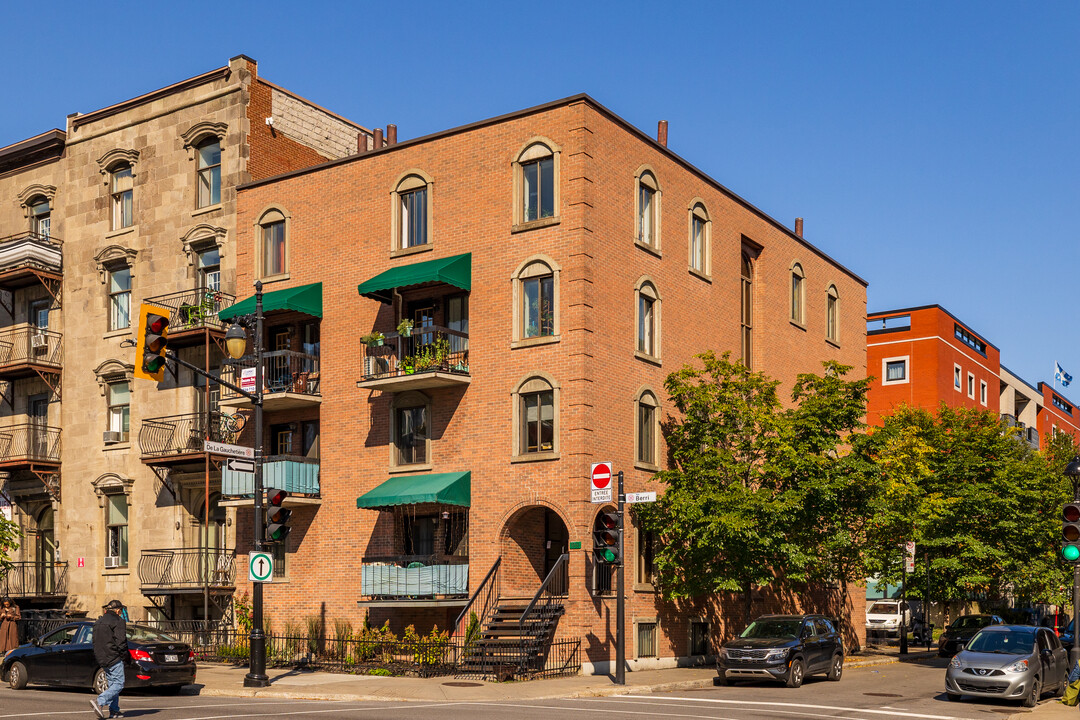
x: 620, y: 600
x: 257, y: 676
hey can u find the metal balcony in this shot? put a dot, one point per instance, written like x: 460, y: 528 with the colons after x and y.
x: 27, y: 257
x: 34, y: 580
x: 290, y: 380
x: 193, y: 314
x: 27, y: 351
x: 414, y: 579
x: 294, y: 474
x: 178, y: 439
x: 27, y: 444
x: 179, y: 570
x: 431, y: 357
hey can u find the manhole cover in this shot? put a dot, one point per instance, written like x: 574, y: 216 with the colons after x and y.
x: 463, y: 684
x: 883, y: 695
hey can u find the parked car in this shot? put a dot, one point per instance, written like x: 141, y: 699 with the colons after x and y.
x: 66, y: 657
x: 1008, y: 661
x: 1066, y: 635
x: 959, y: 633
x: 888, y: 616
x: 785, y: 648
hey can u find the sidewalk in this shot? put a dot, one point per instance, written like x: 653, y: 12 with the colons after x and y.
x: 1048, y: 710
x: 228, y: 681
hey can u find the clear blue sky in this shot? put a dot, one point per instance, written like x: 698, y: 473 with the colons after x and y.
x: 932, y: 147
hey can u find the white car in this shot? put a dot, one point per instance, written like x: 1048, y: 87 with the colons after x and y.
x: 888, y: 616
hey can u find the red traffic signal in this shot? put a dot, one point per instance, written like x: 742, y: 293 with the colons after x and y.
x: 277, y: 516
x: 606, y: 545
x: 152, y: 342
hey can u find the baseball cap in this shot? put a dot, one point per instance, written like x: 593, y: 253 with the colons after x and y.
x: 113, y: 605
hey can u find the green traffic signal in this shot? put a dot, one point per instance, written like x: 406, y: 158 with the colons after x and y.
x: 1071, y: 553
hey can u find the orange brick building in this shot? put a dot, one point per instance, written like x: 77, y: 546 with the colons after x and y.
x: 555, y: 264
x: 925, y: 356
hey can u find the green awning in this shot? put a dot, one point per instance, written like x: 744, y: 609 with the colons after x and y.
x: 445, y: 488
x: 456, y: 271
x: 306, y: 299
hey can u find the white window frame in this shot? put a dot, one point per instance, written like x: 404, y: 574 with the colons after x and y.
x: 958, y: 378
x: 971, y: 385
x: 982, y: 392
x: 907, y: 370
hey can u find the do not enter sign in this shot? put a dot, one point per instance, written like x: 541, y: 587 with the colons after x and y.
x: 601, y: 482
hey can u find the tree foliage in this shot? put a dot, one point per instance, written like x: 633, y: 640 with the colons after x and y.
x: 9, y: 543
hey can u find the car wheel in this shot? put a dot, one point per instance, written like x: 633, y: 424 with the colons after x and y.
x: 17, y: 676
x: 101, y: 682
x: 1032, y: 698
x: 795, y: 673
x: 954, y: 697
x: 837, y: 667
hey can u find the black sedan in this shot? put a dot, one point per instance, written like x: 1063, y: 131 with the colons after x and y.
x: 66, y: 657
x: 959, y: 634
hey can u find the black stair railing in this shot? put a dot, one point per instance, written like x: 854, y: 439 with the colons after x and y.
x: 545, y: 605
x: 487, y: 595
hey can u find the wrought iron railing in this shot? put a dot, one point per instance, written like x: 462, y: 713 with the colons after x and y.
x: 31, y: 249
x: 31, y: 345
x: 181, y: 568
x: 427, y: 349
x: 34, y: 579
x: 194, y: 309
x: 482, y: 603
x: 29, y: 442
x: 283, y: 371
x: 414, y: 576
x: 181, y: 434
x: 545, y: 604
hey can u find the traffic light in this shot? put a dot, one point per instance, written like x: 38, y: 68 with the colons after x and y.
x: 152, y: 342
x: 277, y: 516
x: 1070, y: 532
x: 606, y: 537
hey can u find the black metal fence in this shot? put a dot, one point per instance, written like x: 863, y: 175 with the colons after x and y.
x: 34, y: 579
x: 427, y: 349
x: 194, y: 309
x: 283, y: 371
x: 180, y: 434
x: 31, y: 345
x: 29, y: 442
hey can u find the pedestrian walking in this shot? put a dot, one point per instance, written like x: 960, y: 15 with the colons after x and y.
x: 110, y: 652
x: 9, y: 630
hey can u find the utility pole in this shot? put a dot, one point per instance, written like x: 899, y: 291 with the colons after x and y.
x: 903, y: 599
x: 620, y: 601
x: 257, y: 676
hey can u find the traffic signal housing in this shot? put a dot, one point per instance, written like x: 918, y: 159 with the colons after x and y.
x: 152, y: 342
x: 276, y: 516
x: 606, y: 546
x: 1070, y: 532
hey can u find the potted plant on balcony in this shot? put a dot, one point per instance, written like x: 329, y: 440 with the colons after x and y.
x: 405, y: 327
x: 373, y: 339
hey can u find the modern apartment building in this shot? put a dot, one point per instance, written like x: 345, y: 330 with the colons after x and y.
x: 553, y: 265
x: 130, y: 203
x: 925, y: 356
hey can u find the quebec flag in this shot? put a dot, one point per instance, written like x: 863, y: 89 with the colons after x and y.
x: 1061, y: 376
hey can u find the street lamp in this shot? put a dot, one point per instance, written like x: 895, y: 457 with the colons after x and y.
x: 1072, y: 471
x: 235, y: 347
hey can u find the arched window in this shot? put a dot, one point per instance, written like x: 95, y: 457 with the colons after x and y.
x: 208, y: 169
x: 272, y: 243
x: 699, y: 240
x: 536, y: 426
x: 746, y: 316
x: 536, y: 184
x: 536, y: 301
x: 647, y: 210
x: 646, y: 430
x: 798, y: 282
x: 647, y: 317
x: 832, y: 315
x: 412, y: 212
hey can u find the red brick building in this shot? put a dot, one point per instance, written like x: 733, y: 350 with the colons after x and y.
x: 556, y: 264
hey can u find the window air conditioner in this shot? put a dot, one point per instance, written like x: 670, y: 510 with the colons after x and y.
x: 39, y: 342
x: 112, y: 561
x: 112, y: 436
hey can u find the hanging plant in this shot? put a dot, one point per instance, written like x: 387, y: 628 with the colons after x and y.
x: 405, y: 327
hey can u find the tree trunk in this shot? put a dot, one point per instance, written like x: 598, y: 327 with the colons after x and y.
x: 749, y: 602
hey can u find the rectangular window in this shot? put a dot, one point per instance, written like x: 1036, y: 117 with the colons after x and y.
x: 646, y: 446
x: 120, y: 298
x: 209, y: 269
x: 697, y: 244
x: 896, y: 370
x: 274, y: 248
x: 414, y: 218
x: 116, y: 541
x: 539, y: 315
x: 538, y: 179
x: 419, y: 535
x: 971, y: 386
x: 209, y: 159
x: 796, y: 298
x: 699, y: 637
x: 457, y: 321
x: 121, y: 184
x: 646, y: 195
x: 957, y: 377
x: 982, y: 391
x: 969, y: 339
x: 830, y: 318
x: 538, y: 419
x: 412, y: 435
x: 646, y: 544
x: 645, y: 324
x: 119, y: 399
x: 646, y: 639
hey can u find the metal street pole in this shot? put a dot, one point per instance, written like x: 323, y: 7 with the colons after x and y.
x: 1074, y: 654
x: 620, y: 601
x: 903, y: 598
x: 257, y: 676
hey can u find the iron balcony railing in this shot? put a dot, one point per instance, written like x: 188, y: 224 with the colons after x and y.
x: 414, y: 576
x: 426, y: 349
x: 181, y: 434
x: 34, y: 579
x: 284, y: 371
x: 29, y: 442
x: 29, y: 249
x: 194, y: 309
x: 31, y: 346
x: 187, y: 568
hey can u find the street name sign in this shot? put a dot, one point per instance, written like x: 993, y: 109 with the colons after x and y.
x: 600, y: 480
x: 641, y: 497
x: 236, y: 451
x: 260, y: 567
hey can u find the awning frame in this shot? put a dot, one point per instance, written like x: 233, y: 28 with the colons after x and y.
x: 455, y: 271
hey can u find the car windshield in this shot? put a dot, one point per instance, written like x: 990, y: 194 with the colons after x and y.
x: 141, y: 633
x: 884, y: 609
x: 773, y: 629
x: 971, y: 621
x: 1006, y: 642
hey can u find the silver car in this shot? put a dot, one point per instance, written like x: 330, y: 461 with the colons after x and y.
x: 1017, y: 662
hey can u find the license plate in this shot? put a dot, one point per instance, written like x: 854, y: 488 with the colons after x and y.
x: 172, y: 658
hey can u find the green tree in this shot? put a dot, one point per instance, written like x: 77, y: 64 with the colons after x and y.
x: 9, y: 543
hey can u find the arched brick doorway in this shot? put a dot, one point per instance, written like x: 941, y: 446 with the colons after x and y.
x: 531, y: 542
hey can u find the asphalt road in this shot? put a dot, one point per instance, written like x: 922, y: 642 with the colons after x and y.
x: 889, y: 692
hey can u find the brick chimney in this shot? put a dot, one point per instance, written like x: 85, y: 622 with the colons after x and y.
x: 798, y: 226
x: 391, y: 134
x: 661, y: 132
x: 378, y: 138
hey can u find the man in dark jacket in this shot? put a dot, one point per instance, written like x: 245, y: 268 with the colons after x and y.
x: 110, y: 652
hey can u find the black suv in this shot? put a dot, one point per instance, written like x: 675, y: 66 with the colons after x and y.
x: 956, y: 636
x: 782, y: 647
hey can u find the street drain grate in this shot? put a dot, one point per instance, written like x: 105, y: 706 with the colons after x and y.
x: 882, y: 695
x: 463, y: 684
